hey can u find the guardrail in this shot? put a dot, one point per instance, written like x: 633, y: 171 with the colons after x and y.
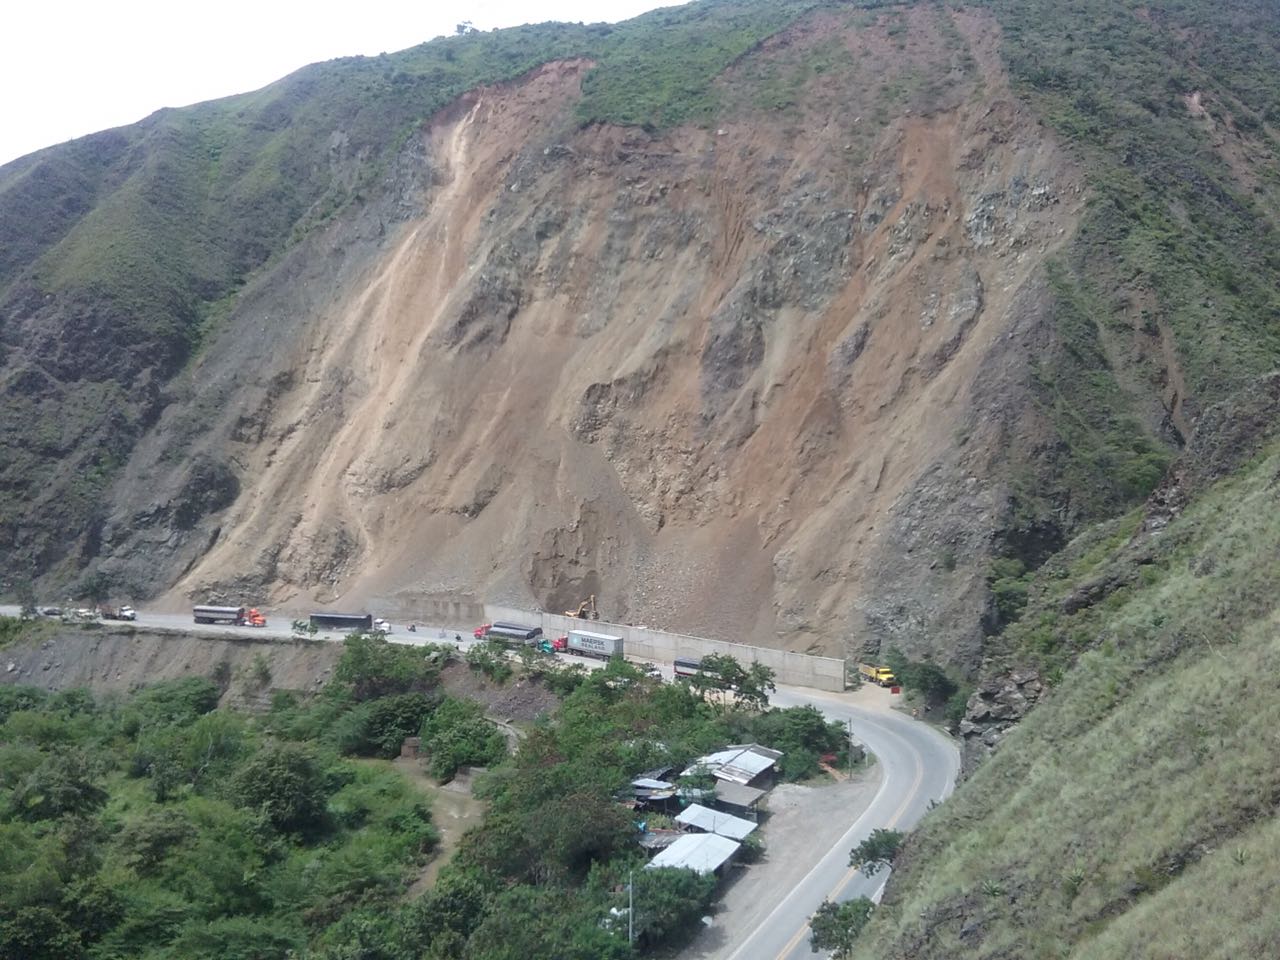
x: 793, y: 669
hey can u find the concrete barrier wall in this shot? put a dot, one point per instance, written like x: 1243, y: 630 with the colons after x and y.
x: 454, y: 614
x: 793, y: 669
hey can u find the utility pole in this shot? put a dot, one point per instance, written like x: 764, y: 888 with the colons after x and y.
x: 851, y: 748
x: 631, y: 907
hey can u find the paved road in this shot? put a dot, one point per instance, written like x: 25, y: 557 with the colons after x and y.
x: 919, y: 766
x: 279, y: 626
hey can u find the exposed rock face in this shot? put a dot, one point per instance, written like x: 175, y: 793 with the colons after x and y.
x: 765, y: 381
x: 760, y: 383
x: 995, y: 707
x: 1226, y: 437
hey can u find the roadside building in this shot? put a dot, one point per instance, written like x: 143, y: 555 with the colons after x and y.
x: 746, y: 764
x: 742, y: 800
x: 701, y: 852
x: 705, y: 820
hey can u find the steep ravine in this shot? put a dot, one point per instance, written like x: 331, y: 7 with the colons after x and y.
x: 755, y: 381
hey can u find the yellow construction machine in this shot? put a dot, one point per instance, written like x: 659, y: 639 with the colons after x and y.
x: 586, y: 610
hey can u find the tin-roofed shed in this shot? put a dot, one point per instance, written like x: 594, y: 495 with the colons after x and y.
x: 736, y: 795
x: 701, y: 852
x: 714, y: 821
x: 741, y: 763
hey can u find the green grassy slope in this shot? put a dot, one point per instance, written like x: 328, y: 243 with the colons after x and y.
x: 1177, y: 257
x: 1144, y: 790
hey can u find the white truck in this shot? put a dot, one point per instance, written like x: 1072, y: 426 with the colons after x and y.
x: 588, y: 644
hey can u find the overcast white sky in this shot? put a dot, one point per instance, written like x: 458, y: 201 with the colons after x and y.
x: 71, y: 67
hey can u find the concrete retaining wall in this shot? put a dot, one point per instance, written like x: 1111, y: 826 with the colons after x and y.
x: 793, y: 669
x: 454, y: 614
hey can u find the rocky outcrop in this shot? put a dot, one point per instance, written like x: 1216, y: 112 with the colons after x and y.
x: 995, y: 707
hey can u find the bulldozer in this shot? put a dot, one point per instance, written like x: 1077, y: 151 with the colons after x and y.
x: 586, y: 610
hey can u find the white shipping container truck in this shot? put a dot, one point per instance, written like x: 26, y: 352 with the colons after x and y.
x: 590, y: 644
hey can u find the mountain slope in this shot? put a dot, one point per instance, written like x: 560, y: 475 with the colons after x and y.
x: 707, y: 346
x: 1142, y: 791
x: 776, y: 322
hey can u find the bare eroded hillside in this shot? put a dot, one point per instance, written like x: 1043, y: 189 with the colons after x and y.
x: 760, y: 381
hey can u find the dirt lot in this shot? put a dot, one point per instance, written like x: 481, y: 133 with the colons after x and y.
x: 802, y: 824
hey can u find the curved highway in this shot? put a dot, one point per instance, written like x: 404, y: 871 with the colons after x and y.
x: 919, y: 767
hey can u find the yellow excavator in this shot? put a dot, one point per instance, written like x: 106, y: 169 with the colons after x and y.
x: 586, y: 610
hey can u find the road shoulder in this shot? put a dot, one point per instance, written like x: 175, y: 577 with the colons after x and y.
x: 802, y: 825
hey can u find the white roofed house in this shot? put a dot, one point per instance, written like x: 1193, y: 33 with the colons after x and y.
x: 706, y: 820
x: 702, y: 852
x: 745, y: 764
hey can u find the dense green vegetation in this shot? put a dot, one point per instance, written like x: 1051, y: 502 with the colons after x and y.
x: 659, y: 70
x: 158, y: 826
x: 1142, y: 791
x: 1179, y: 242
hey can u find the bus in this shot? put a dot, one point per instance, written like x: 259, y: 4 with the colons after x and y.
x: 207, y: 613
x: 687, y: 666
x: 509, y: 633
x: 342, y: 621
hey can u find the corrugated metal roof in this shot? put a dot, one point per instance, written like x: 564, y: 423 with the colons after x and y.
x: 659, y: 839
x: 703, y: 852
x: 649, y: 783
x: 738, y: 764
x: 736, y: 795
x: 713, y: 821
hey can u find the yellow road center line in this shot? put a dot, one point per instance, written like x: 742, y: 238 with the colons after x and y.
x: 844, y: 881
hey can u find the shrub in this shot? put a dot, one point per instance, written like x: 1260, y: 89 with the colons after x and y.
x: 456, y: 734
x: 65, y: 784
x: 379, y: 727
x: 287, y: 785
x: 491, y: 660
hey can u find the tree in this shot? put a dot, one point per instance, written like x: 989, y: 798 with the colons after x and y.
x: 286, y: 784
x: 379, y: 727
x: 835, y: 927
x: 876, y: 852
x: 25, y: 593
x: 528, y: 922
x: 927, y: 678
x: 757, y: 685
x: 670, y: 901
x: 65, y: 784
x: 374, y: 668
x: 448, y: 912
x: 38, y: 933
x: 237, y: 938
x: 751, y: 685
x: 96, y: 588
x: 149, y: 840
